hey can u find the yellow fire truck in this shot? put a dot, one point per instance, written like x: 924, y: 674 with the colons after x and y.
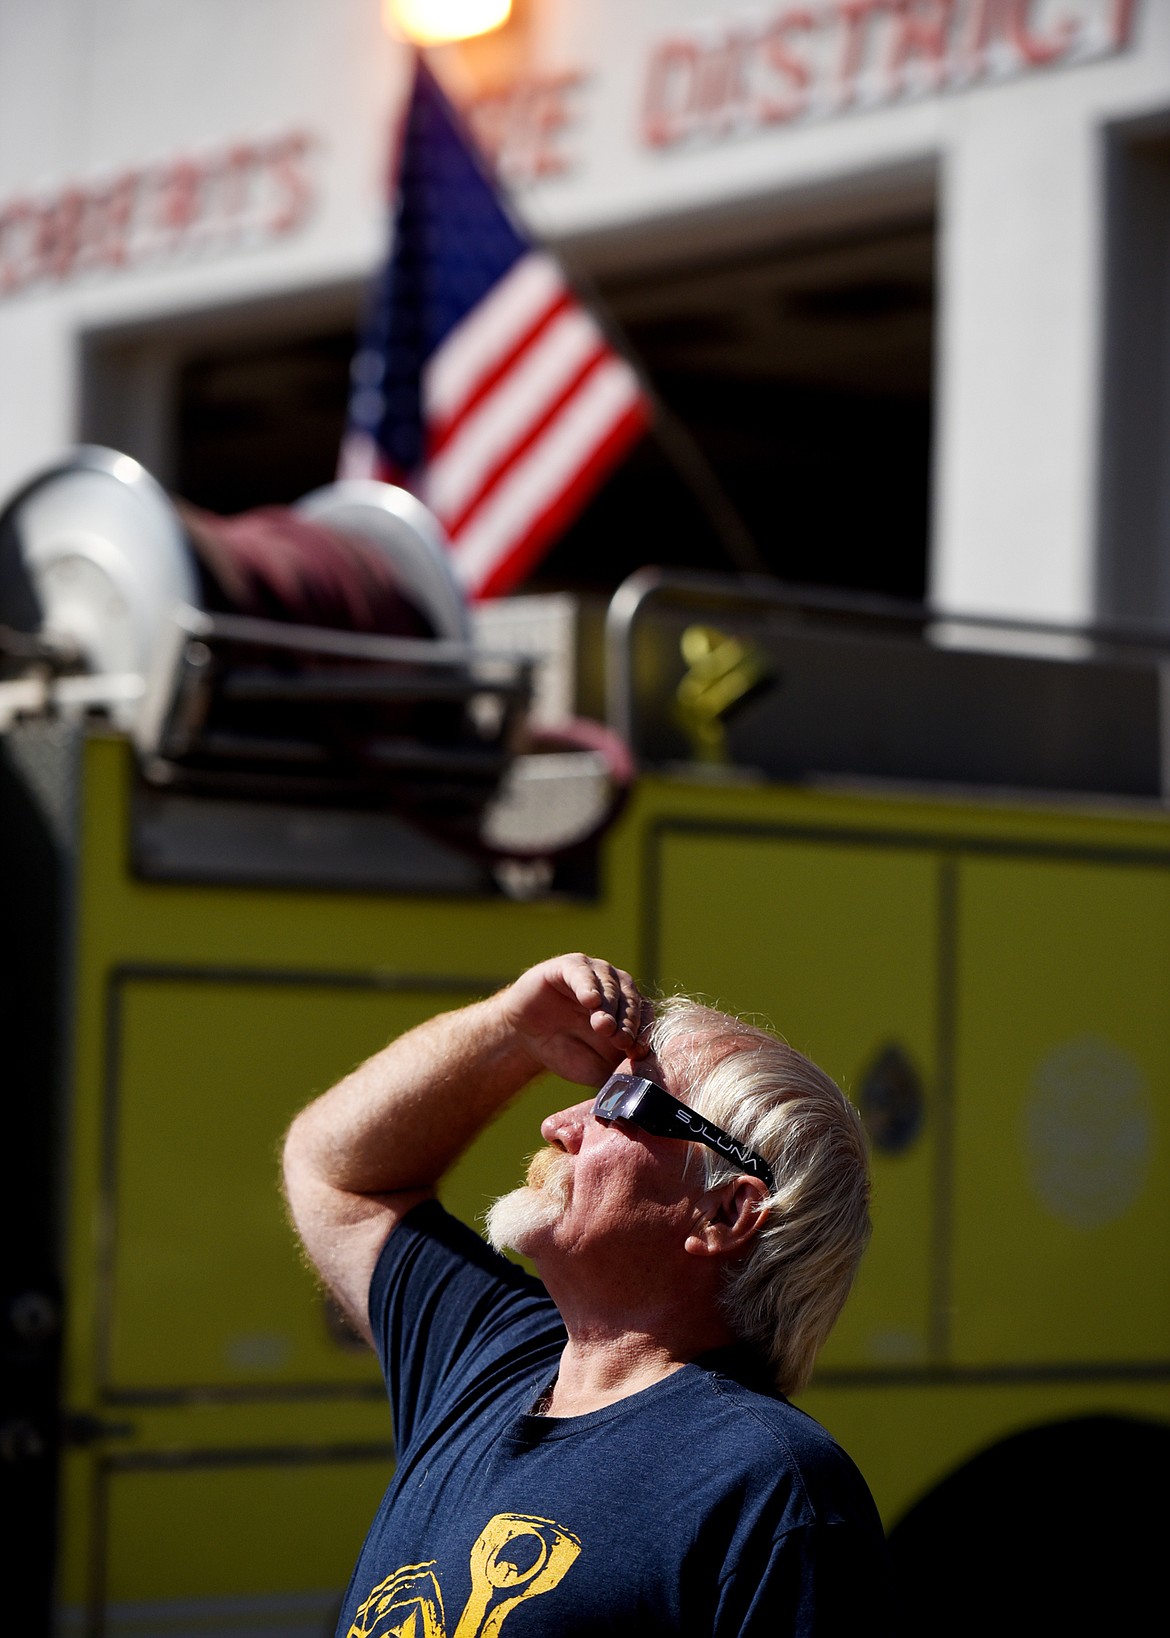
x: 940, y: 865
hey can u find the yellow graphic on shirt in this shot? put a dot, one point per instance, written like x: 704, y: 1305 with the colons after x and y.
x: 516, y: 1556
x: 408, y: 1604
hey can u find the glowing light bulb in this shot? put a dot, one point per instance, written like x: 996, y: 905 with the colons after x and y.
x: 431, y: 22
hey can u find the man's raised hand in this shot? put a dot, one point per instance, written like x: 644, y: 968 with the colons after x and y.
x: 577, y: 1015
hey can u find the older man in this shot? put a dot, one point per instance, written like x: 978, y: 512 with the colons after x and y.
x: 610, y: 1451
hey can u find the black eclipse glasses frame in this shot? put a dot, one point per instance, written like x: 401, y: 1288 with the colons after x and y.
x: 646, y: 1104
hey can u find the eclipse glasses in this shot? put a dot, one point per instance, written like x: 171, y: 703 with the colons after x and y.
x: 650, y: 1106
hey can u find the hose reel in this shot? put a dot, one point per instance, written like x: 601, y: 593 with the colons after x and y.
x: 316, y: 654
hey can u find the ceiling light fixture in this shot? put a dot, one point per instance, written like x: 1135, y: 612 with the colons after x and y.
x: 433, y: 22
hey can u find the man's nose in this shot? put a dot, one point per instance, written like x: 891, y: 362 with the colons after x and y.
x: 565, y: 1127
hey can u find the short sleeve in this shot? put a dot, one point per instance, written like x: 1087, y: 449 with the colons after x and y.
x: 828, y: 1580
x: 452, y: 1318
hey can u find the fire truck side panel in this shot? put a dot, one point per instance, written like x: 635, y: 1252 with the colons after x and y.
x: 979, y: 974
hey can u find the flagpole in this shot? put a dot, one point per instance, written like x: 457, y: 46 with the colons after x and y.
x: 682, y: 449
x: 677, y: 442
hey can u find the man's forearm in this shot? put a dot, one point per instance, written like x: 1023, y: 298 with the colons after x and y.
x: 358, y: 1158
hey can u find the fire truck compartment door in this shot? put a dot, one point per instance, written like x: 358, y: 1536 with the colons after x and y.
x: 1063, y: 1064
x: 834, y: 943
x: 205, y: 1288
x: 232, y: 1545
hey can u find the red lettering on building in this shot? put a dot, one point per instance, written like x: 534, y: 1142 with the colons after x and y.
x: 1121, y: 22
x: 921, y: 31
x: 57, y: 241
x: 722, y: 81
x: 854, y: 17
x: 250, y: 190
x: 548, y: 117
x: 824, y: 58
x: 1031, y: 47
x: 521, y: 126
x: 984, y: 19
x: 991, y: 21
x: 790, y: 67
x: 16, y: 222
x: 111, y: 213
x: 178, y: 203
x: 670, y: 92
x: 232, y: 181
x: 294, y: 195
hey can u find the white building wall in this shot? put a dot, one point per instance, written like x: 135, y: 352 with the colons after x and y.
x: 1018, y: 352
x: 1020, y: 338
x: 90, y: 87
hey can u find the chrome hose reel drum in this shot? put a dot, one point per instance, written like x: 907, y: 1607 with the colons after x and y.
x: 92, y: 563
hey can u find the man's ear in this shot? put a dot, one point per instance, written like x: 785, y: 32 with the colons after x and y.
x: 730, y: 1217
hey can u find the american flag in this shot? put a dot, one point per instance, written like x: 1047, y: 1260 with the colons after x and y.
x: 480, y: 382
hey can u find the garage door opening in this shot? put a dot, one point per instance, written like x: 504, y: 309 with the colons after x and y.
x: 800, y: 379
x: 1134, y: 503
x: 229, y: 408
x: 261, y: 425
x: 805, y: 379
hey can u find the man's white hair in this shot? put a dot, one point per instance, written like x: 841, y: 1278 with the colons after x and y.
x: 786, y: 1294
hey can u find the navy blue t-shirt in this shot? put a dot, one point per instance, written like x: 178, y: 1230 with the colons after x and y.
x: 699, y: 1505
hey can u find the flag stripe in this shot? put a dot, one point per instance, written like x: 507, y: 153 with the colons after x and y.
x: 487, y: 336
x: 528, y: 549
x: 550, y: 465
x: 522, y: 445
x: 506, y: 417
x: 440, y: 433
